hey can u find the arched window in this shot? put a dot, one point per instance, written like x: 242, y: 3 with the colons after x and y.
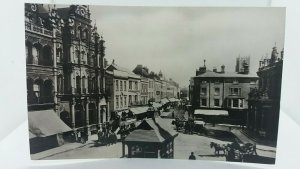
x: 89, y: 85
x: 84, y: 84
x: 91, y: 59
x: 38, y: 91
x: 94, y: 84
x: 77, y: 56
x: 47, y: 56
x: 83, y: 57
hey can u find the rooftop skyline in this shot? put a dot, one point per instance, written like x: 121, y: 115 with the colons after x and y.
x: 176, y: 40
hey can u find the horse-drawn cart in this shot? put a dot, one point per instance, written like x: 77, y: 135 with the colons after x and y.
x: 235, y: 151
x: 238, y: 154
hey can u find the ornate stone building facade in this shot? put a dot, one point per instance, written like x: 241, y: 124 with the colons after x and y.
x: 65, y: 71
x: 40, y: 60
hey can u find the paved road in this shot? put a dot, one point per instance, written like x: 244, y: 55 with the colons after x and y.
x: 184, y: 144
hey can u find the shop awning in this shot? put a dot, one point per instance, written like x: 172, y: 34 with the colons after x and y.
x: 199, y: 123
x: 173, y: 100
x: 211, y: 112
x: 156, y: 105
x: 165, y: 114
x: 164, y: 101
x: 45, y: 123
x: 139, y: 110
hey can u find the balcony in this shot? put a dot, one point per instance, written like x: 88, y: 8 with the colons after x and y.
x: 37, y: 29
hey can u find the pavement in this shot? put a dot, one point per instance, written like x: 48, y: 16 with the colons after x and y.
x: 245, y: 139
x: 62, y: 149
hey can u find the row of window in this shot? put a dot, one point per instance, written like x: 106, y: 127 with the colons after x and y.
x: 233, y: 82
x: 233, y: 91
x: 216, y: 102
x: 38, y: 55
x: 121, y: 85
x: 231, y: 103
x: 121, y: 101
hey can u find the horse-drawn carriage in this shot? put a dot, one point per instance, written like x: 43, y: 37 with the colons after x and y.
x: 189, y: 126
x: 234, y: 151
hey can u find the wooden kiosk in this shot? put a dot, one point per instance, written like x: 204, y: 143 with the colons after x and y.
x: 151, y: 139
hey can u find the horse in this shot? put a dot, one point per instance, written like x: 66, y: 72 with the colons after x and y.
x: 188, y: 127
x: 178, y: 124
x: 218, y: 148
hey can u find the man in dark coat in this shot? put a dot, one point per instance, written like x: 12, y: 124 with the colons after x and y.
x: 192, y: 157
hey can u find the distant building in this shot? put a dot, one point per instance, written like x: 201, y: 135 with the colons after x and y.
x: 151, y: 93
x: 264, y: 101
x: 222, y: 90
x: 158, y: 90
x: 157, y: 86
x: 144, y: 91
x: 242, y: 65
x: 122, y: 86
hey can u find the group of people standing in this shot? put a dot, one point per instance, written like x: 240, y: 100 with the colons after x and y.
x: 106, y: 136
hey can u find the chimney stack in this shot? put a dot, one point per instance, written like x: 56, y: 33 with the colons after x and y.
x: 222, y: 69
x: 215, y: 69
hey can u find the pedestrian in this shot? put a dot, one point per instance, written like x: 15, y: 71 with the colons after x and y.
x: 78, y: 136
x: 254, y: 149
x: 192, y: 157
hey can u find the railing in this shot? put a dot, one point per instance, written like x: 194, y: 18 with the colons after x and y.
x: 34, y: 28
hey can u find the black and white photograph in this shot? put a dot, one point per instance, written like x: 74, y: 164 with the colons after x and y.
x: 162, y: 82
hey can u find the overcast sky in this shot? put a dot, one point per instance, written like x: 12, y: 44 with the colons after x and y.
x: 177, y: 40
